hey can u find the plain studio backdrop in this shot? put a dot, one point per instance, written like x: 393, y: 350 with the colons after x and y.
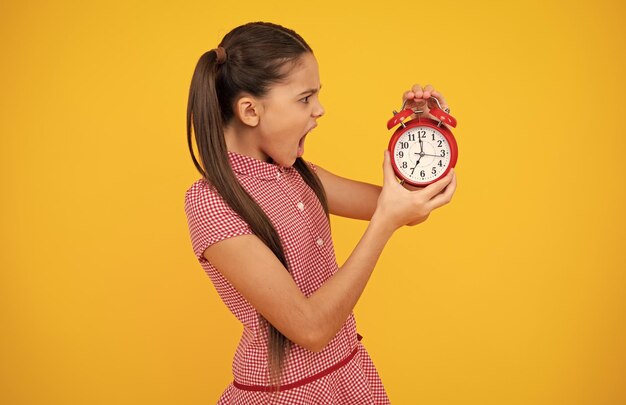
x: 511, y: 294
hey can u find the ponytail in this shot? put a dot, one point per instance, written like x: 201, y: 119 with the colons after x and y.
x: 253, y: 55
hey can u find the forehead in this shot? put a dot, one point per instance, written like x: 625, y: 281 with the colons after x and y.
x: 303, y: 75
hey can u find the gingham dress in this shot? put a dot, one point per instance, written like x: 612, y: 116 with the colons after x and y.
x: 303, y: 227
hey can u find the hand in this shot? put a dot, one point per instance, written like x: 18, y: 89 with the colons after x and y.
x: 398, y: 205
x: 409, y: 187
x: 418, y: 98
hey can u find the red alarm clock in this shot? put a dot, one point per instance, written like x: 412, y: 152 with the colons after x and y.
x: 422, y: 149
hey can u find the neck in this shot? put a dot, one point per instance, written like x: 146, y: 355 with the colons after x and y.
x: 241, y: 140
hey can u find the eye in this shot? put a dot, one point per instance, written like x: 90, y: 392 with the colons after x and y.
x: 305, y: 100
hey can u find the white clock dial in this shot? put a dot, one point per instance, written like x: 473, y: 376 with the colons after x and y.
x: 426, y: 162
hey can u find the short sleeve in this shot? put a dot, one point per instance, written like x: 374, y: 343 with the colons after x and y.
x: 210, y: 218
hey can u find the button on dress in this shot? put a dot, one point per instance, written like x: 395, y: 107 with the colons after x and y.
x: 300, y: 220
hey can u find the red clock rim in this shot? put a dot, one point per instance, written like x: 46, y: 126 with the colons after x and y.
x: 428, y: 122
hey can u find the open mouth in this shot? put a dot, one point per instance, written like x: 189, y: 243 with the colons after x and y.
x: 301, y: 143
x: 301, y: 146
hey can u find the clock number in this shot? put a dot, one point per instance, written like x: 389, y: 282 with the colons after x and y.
x: 412, y: 137
x: 440, y: 164
x: 433, y: 136
x: 443, y: 153
x: 401, y: 154
x: 434, y: 170
x: 440, y: 143
x: 404, y: 145
x: 404, y: 165
x: 422, y: 173
x: 422, y: 134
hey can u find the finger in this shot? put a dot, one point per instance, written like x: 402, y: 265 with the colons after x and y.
x: 435, y: 188
x: 417, y: 89
x: 441, y: 99
x: 408, y: 95
x: 389, y: 176
x: 428, y: 91
x: 438, y: 96
x: 445, y: 197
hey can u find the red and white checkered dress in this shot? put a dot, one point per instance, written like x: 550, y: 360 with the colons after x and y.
x: 349, y: 376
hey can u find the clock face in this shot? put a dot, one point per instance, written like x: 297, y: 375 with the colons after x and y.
x: 425, y: 161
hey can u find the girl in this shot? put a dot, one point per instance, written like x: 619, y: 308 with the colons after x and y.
x: 259, y: 221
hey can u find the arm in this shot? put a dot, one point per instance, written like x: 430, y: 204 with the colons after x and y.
x: 354, y: 199
x: 349, y: 198
x: 357, y: 200
x: 313, y: 321
x: 309, y: 322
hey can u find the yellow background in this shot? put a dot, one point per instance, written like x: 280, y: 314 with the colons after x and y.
x: 511, y: 294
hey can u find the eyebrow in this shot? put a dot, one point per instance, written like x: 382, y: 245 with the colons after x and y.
x: 310, y: 90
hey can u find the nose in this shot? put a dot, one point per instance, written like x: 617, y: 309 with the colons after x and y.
x: 319, y: 111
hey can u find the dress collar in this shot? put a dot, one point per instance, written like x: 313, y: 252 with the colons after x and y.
x: 253, y: 167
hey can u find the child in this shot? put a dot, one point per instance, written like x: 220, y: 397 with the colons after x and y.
x: 259, y: 221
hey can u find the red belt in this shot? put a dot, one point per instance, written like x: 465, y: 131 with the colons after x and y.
x: 304, y: 381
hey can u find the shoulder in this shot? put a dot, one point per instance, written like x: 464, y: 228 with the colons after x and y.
x: 210, y: 218
x: 201, y: 189
x: 311, y: 165
x: 203, y: 199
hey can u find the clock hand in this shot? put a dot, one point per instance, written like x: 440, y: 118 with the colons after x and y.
x: 426, y: 154
x: 418, y: 162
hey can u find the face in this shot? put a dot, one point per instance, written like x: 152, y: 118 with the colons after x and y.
x: 288, y: 113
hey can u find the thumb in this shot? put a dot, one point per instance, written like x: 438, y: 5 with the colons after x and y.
x: 389, y: 176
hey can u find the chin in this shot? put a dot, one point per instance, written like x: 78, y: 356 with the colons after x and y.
x: 284, y: 162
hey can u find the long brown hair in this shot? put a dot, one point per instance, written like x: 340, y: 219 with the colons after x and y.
x: 256, y: 53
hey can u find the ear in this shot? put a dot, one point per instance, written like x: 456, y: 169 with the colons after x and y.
x: 247, y: 109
